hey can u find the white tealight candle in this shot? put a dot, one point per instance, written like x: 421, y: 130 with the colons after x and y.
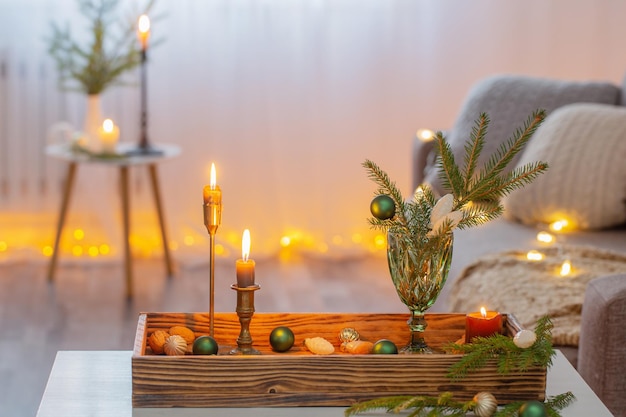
x: 109, y: 133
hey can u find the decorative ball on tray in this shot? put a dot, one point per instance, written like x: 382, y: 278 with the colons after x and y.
x: 282, y: 339
x: 205, y: 345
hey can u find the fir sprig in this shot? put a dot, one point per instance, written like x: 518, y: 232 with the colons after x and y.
x: 92, y: 67
x: 421, y: 406
x: 445, y: 406
x: 508, y: 356
x: 477, y: 193
x: 553, y: 406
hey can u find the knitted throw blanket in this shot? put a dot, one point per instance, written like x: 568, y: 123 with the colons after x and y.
x: 509, y: 283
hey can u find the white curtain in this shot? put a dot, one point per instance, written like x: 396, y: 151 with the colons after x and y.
x: 287, y: 98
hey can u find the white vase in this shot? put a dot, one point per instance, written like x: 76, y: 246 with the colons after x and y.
x: 92, y: 123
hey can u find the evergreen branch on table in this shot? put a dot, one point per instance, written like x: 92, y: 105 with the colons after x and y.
x: 421, y: 406
x: 553, y: 406
x: 502, y: 348
x: 445, y: 406
x: 474, y: 147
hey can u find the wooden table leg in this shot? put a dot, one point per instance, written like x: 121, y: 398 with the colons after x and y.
x: 128, y: 268
x: 65, y: 200
x: 157, y: 200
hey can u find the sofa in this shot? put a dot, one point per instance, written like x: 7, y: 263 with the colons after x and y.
x: 583, y: 139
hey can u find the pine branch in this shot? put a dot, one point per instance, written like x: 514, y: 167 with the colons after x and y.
x: 388, y: 187
x: 508, y: 356
x: 474, y: 147
x: 449, y: 171
x: 423, y: 406
x: 513, y: 146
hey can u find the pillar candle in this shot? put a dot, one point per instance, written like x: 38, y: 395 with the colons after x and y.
x: 109, y: 134
x: 484, y: 324
x: 245, y: 266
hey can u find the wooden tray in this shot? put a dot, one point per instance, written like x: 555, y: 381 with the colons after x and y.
x: 299, y: 378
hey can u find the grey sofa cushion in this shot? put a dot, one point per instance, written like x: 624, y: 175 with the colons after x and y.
x: 509, y: 100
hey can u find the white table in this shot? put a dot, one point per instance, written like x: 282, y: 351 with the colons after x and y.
x: 98, y: 384
x: 73, y: 158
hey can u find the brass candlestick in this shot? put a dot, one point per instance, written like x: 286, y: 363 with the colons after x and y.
x: 212, y: 220
x: 245, y: 311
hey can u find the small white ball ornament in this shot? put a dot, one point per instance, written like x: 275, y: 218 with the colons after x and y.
x: 486, y: 404
x: 525, y: 339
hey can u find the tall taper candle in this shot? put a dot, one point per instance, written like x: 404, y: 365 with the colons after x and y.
x: 245, y: 266
x: 212, y: 203
x: 212, y: 220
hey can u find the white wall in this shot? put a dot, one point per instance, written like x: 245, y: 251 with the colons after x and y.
x: 287, y: 98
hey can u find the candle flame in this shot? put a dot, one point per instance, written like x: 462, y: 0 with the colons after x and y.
x: 108, y: 125
x: 143, y: 24
x: 566, y: 268
x: 483, y: 312
x: 245, y: 245
x: 213, y: 181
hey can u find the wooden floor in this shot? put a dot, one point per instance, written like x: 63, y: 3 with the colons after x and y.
x: 85, y: 309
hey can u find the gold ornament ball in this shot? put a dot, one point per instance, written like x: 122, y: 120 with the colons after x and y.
x: 486, y: 404
x: 348, y: 334
x: 383, y: 207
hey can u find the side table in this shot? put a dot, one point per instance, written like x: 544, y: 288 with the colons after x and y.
x: 64, y: 152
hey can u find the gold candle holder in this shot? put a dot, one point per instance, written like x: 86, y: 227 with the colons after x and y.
x: 245, y: 311
x: 212, y: 220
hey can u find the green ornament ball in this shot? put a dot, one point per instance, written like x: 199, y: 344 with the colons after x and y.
x: 383, y: 207
x: 533, y: 409
x: 205, y: 345
x: 385, y: 346
x: 282, y: 339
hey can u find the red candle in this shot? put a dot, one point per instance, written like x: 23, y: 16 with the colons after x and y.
x: 484, y: 323
x: 245, y: 266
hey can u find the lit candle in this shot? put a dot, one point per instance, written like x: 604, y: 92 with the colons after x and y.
x: 109, y: 133
x: 213, y: 201
x: 143, y: 31
x: 484, y: 324
x: 245, y: 266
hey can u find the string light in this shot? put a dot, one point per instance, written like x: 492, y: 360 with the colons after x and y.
x: 566, y: 268
x: 545, y: 237
x: 558, y: 225
x: 534, y: 255
x: 425, y: 135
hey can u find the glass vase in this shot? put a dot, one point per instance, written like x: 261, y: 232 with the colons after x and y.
x: 419, y: 272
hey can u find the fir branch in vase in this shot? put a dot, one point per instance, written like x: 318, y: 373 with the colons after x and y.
x: 474, y: 194
x: 93, y: 67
